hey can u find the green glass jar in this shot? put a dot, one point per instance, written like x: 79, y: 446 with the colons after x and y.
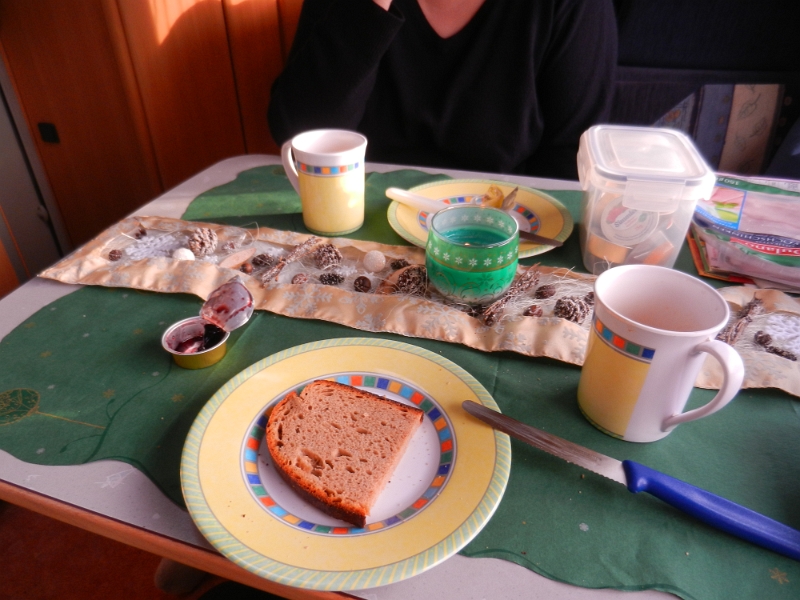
x: 472, y: 253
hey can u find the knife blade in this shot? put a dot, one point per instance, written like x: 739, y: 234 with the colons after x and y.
x: 701, y: 504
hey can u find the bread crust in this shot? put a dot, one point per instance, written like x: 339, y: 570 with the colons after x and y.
x: 325, y: 453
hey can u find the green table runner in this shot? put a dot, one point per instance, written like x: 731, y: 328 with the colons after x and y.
x: 85, y: 379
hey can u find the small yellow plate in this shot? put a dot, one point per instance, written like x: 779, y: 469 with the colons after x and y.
x: 444, y: 491
x: 547, y: 216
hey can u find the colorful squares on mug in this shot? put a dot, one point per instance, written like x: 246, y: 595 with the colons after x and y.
x: 310, y: 169
x: 621, y: 343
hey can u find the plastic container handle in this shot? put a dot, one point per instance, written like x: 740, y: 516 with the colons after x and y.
x: 733, y: 375
x: 288, y: 165
x: 714, y: 510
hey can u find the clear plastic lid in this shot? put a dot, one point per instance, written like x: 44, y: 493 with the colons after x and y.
x: 656, y: 167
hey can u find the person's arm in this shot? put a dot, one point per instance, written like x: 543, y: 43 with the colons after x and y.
x: 576, y: 83
x: 332, y: 65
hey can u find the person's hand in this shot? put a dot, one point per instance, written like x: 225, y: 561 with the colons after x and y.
x: 384, y: 4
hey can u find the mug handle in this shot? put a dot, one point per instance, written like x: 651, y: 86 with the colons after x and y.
x: 288, y: 165
x: 733, y: 375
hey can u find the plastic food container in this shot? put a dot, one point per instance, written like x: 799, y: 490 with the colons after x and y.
x: 640, y: 187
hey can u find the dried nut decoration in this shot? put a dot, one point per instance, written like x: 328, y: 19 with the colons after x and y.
x: 362, y: 284
x: 115, y: 255
x: 203, y: 242
x: 300, y: 278
x: 327, y: 256
x: 533, y: 311
x: 547, y: 290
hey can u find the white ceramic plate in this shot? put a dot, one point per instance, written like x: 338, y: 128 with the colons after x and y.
x: 444, y: 491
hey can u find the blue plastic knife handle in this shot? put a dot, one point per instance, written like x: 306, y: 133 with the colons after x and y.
x: 717, y: 512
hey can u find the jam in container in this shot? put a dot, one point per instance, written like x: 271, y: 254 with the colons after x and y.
x: 199, y: 342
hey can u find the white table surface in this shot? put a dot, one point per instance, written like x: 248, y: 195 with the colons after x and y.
x: 119, y: 491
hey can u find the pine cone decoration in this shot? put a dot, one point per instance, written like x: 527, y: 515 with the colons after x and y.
x: 261, y: 261
x: 327, y: 256
x: 572, y: 308
x: 398, y: 264
x: 332, y: 278
x: 414, y: 280
x: 203, y: 242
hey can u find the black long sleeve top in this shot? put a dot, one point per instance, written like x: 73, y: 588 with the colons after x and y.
x: 509, y: 93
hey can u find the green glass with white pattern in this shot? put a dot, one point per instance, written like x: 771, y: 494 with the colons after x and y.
x: 472, y: 253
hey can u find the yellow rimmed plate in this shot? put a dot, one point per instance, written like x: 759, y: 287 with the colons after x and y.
x: 546, y: 215
x: 444, y: 491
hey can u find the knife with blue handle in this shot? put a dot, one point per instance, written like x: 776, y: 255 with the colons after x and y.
x: 709, y: 508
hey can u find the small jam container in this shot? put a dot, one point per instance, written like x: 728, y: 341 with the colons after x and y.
x: 199, y: 342
x: 182, y: 333
x: 640, y: 187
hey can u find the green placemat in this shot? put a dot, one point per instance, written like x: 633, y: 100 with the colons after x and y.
x: 85, y: 379
x: 263, y: 196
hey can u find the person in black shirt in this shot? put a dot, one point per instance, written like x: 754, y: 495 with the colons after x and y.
x: 503, y: 86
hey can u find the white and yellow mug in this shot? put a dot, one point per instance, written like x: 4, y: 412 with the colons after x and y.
x: 326, y: 167
x: 651, y: 330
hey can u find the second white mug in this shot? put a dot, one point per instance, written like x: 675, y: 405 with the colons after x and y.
x: 651, y: 330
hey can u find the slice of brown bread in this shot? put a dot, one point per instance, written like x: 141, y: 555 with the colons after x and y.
x: 337, y: 445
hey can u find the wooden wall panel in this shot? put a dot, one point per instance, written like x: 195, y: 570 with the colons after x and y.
x: 182, y: 62
x: 61, y: 59
x: 255, y: 41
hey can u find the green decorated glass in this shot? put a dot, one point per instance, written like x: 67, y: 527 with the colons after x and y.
x: 472, y: 253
